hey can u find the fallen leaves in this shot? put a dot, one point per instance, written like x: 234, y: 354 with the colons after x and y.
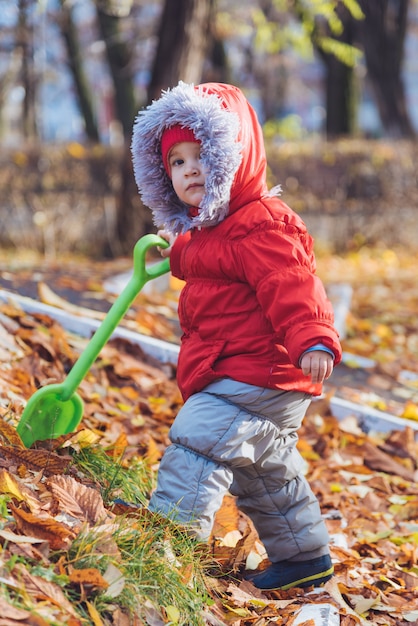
x: 78, y: 501
x: 72, y: 523
x: 58, y: 535
x: 34, y: 460
x: 382, y: 323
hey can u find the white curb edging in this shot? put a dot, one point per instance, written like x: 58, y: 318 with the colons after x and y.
x: 157, y: 348
x: 370, y: 419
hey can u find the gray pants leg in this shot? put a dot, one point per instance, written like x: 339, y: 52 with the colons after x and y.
x: 238, y: 437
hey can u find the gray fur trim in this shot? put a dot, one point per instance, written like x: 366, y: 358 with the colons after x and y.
x: 217, y: 130
x: 275, y: 191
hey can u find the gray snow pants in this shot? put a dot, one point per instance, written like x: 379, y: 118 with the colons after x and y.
x: 239, y: 438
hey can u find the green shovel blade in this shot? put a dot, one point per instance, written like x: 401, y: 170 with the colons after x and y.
x: 47, y: 416
x: 57, y: 409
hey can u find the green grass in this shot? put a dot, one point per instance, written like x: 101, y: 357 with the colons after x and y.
x: 131, y: 482
x: 158, y: 564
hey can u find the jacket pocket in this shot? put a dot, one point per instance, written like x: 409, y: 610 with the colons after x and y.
x: 195, y: 364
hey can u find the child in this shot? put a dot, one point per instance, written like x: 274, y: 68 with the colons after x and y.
x: 258, y: 336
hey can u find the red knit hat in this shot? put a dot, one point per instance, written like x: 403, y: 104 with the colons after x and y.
x: 171, y: 136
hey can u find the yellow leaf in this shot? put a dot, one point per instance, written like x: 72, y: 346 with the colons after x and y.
x: 172, y: 613
x: 85, y: 438
x: 130, y: 393
x: 410, y: 411
x: 20, y: 159
x: 9, y: 485
x: 383, y: 331
x: 126, y: 408
x: 236, y: 611
x: 138, y: 420
x: 257, y: 603
x: 389, y: 581
x: 94, y: 614
x: 76, y: 150
x: 153, y: 401
x: 153, y: 453
x: 375, y: 537
x: 310, y: 455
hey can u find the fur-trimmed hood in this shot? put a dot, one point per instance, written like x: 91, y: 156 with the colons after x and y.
x: 232, y: 151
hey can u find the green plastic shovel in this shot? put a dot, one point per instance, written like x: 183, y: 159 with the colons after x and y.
x: 57, y: 409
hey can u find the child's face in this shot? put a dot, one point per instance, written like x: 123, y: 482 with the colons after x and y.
x: 187, y: 174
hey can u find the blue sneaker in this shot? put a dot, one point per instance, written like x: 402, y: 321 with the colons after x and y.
x: 286, y: 574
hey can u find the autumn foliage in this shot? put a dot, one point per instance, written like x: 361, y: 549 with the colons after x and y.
x: 77, y: 542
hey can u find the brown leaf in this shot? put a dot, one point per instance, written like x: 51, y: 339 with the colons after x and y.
x: 403, y: 442
x: 88, y: 576
x: 227, y: 517
x: 8, y: 432
x: 119, y: 446
x: 78, y: 500
x: 42, y: 589
x: 8, y: 611
x: 39, y: 342
x: 58, y: 535
x: 153, y: 453
x: 29, y: 553
x: 128, y: 362
x: 36, y: 460
x: 382, y: 462
x: 9, y: 348
x: 408, y: 511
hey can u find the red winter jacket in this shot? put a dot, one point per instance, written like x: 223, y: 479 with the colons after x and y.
x: 252, y: 303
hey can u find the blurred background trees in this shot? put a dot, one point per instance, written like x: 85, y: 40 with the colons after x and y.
x: 77, y: 71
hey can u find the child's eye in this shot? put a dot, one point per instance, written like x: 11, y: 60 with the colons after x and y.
x: 177, y: 162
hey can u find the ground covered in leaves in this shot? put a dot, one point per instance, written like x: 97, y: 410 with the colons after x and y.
x: 74, y: 549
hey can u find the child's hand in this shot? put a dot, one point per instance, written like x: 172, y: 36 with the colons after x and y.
x: 318, y: 364
x: 165, y: 252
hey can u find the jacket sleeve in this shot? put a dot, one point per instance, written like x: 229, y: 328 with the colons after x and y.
x: 279, y: 264
x: 176, y: 255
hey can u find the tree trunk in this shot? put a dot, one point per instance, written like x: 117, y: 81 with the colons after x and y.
x: 183, y: 41
x: 25, y: 41
x: 120, y: 58
x: 340, y: 94
x: 183, y: 38
x: 383, y: 37
x: 132, y: 221
x: 69, y: 33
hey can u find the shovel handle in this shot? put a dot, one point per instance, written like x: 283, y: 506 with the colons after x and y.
x: 141, y: 275
x: 140, y: 250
